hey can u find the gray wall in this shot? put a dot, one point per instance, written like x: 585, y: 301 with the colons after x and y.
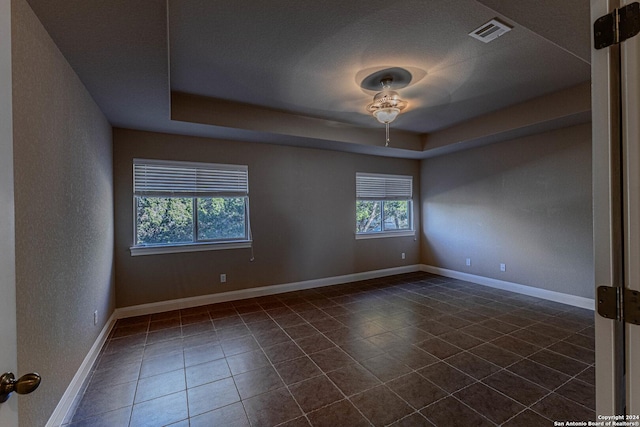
x: 302, y: 215
x: 64, y: 215
x: 525, y: 203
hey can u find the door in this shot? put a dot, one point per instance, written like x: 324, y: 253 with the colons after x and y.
x: 616, y: 198
x: 630, y: 72
x: 8, y: 358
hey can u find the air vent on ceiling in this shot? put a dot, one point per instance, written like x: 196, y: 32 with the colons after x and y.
x: 490, y: 31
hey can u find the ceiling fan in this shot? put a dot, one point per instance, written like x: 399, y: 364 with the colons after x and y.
x: 387, y: 103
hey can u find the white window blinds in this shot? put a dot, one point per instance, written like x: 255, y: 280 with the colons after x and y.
x: 158, y: 178
x: 383, y: 187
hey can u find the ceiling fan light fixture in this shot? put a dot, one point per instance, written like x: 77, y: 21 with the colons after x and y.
x: 386, y: 115
x: 386, y: 105
x: 386, y: 100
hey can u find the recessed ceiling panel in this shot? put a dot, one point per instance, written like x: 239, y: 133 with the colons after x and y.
x: 306, y: 57
x: 309, y: 59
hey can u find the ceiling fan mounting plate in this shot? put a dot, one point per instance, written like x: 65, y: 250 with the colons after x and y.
x: 399, y: 78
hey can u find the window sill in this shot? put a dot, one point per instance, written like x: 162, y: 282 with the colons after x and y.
x: 190, y: 247
x: 384, y: 234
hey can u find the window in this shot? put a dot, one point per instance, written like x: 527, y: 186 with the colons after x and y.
x: 383, y: 205
x: 185, y: 206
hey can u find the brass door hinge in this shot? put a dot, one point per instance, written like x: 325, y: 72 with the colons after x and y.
x: 619, y: 304
x: 617, y: 26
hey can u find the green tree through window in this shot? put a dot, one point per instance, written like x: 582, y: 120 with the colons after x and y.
x: 178, y: 203
x: 383, y: 204
x: 375, y: 216
x: 164, y: 220
x: 221, y: 218
x: 170, y: 220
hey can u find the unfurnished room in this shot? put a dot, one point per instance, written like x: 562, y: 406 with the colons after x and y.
x: 340, y: 214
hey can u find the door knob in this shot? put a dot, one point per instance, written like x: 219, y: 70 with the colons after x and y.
x: 23, y: 385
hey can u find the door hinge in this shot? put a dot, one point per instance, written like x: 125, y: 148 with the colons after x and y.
x: 619, y: 304
x: 617, y: 26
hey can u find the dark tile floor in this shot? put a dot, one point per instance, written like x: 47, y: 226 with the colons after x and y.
x: 408, y: 350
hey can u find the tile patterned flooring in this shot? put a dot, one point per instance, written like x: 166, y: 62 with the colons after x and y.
x: 408, y: 350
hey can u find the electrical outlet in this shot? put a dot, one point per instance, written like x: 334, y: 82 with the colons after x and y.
x: 95, y: 317
x: 468, y: 262
x: 223, y: 278
x: 503, y: 267
x: 403, y: 256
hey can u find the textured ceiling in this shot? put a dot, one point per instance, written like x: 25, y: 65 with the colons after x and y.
x: 565, y: 23
x: 308, y: 58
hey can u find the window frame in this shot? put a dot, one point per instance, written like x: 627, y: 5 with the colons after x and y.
x: 235, y: 188
x: 374, y: 187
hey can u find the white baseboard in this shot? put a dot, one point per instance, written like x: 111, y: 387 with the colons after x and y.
x: 573, y: 300
x: 158, y: 307
x: 68, y: 398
